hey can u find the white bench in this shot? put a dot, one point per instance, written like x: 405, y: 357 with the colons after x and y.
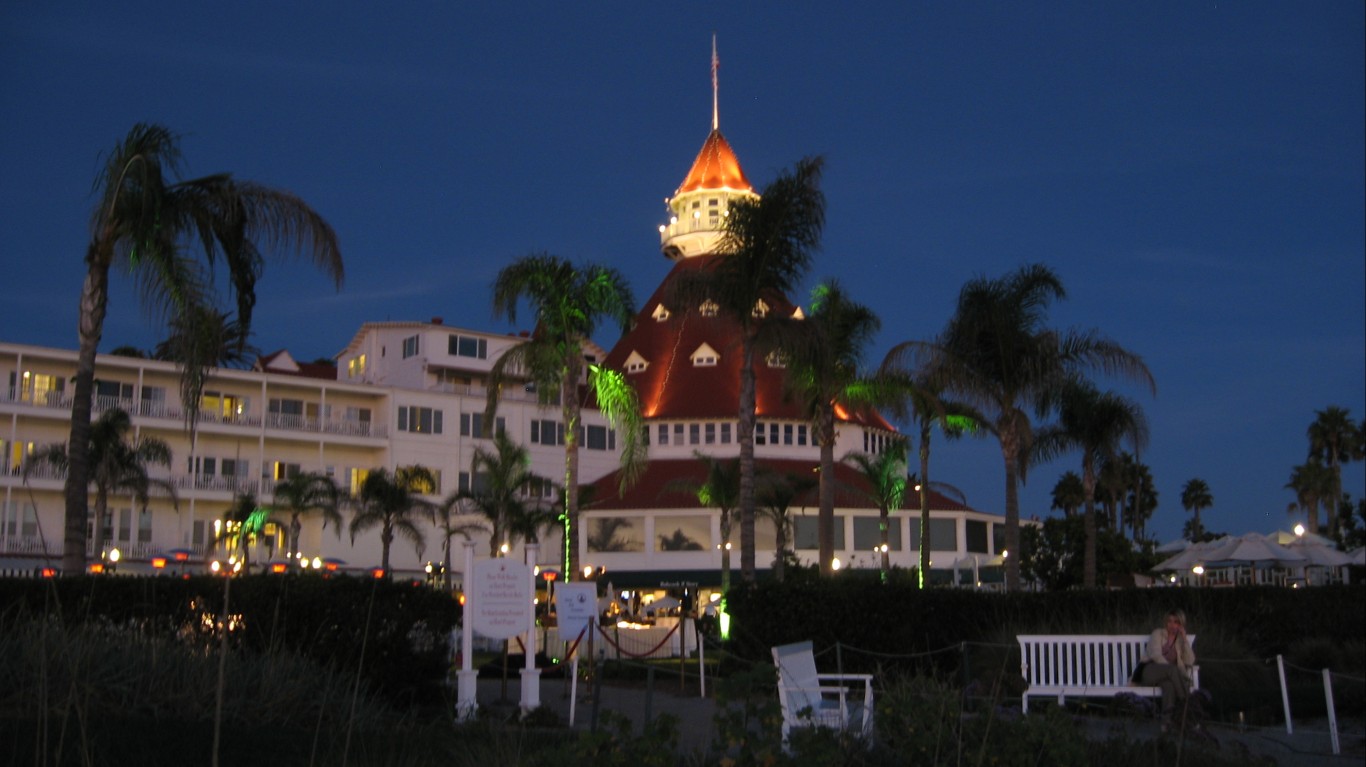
x: 1062, y: 665
x: 809, y: 698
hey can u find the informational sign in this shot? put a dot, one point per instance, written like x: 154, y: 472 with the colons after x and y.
x: 576, y: 607
x: 502, y: 597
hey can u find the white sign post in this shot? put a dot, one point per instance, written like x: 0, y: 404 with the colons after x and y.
x: 577, y: 611
x: 467, y: 679
x: 531, y: 676
x: 498, y: 601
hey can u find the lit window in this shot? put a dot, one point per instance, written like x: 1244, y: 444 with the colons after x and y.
x: 636, y: 363
x: 710, y: 308
x: 661, y: 313
x: 760, y: 309
x: 705, y: 356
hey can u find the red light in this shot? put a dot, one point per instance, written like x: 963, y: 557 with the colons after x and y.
x: 277, y: 567
x: 181, y: 556
x: 331, y: 567
x: 49, y: 572
x: 550, y: 575
x: 158, y: 562
x: 97, y: 567
x: 378, y: 572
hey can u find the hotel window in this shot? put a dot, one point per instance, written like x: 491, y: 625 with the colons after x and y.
x: 705, y: 356
x: 477, y: 484
x: 600, y: 438
x: 773, y: 434
x: 546, y: 432
x: 694, y: 433
x: 356, y: 478
x: 420, y: 420
x: 663, y: 434
x: 355, y: 366
x: 280, y: 470
x: 468, y: 346
x: 636, y: 363
x: 110, y: 392
x: 38, y: 388
x: 760, y: 309
x: 710, y: 308
x: 787, y: 434
x: 759, y: 434
x: 472, y: 425
x: 410, y: 347
x: 725, y: 433
x: 710, y: 434
x: 678, y: 434
x: 661, y: 313
x: 153, y: 400
x: 801, y: 434
x: 144, y: 525
x: 776, y: 360
x: 223, y: 406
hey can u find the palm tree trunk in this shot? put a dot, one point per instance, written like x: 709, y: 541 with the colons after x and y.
x: 924, y: 505
x: 101, y: 514
x: 1010, y: 451
x: 747, y: 458
x: 90, y: 326
x: 569, y: 399
x: 385, y: 538
x: 825, y: 518
x: 725, y: 551
x: 885, y: 562
x: 1088, y: 482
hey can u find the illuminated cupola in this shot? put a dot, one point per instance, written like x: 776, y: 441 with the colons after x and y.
x: 698, y: 208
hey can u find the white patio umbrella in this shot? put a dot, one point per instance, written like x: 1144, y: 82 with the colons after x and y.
x: 1192, y: 555
x: 1172, y: 547
x: 1320, y: 555
x: 1253, y: 549
x: 1286, y: 538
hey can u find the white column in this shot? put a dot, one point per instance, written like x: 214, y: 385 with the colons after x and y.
x: 531, y: 676
x: 467, y: 684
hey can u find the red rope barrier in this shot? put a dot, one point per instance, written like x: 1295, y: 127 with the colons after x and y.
x: 645, y: 654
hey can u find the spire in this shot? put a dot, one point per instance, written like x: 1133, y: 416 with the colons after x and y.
x: 715, y: 100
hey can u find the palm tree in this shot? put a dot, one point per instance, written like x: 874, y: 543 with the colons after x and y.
x: 1312, y: 482
x: 448, y: 521
x: 500, y: 494
x: 307, y: 494
x: 1195, y: 496
x: 999, y: 356
x: 202, y: 338
x: 149, y: 222
x: 117, y: 465
x: 1068, y: 494
x: 391, y: 502
x: 1095, y: 423
x: 776, y: 494
x: 765, y: 250
x: 243, y: 523
x: 1334, y: 439
x: 885, y: 474
x: 824, y: 374
x: 1140, y: 495
x: 922, y: 399
x: 720, y: 489
x: 569, y: 302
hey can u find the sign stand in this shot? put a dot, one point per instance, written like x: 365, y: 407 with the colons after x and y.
x: 467, y: 684
x: 531, y: 676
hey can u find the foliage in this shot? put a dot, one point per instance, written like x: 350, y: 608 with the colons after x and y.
x: 390, y: 502
x: 319, y: 618
x: 1054, y: 554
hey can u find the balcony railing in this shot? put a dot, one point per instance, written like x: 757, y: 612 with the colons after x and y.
x: 162, y: 410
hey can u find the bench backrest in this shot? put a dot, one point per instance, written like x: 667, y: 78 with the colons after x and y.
x: 1076, y: 660
x: 797, y: 676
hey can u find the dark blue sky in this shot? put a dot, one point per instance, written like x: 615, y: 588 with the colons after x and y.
x: 1193, y: 171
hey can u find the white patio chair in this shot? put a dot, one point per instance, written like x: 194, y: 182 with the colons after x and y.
x: 811, y: 699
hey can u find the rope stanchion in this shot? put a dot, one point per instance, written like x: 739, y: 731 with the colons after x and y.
x: 645, y: 654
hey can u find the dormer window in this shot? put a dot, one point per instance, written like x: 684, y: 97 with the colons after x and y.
x: 661, y: 313
x: 710, y: 308
x: 636, y: 363
x: 797, y: 314
x: 776, y: 360
x: 760, y: 309
x: 705, y: 356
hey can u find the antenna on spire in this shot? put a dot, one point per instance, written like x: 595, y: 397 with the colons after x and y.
x: 715, y: 65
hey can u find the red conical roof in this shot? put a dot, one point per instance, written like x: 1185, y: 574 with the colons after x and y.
x: 716, y: 167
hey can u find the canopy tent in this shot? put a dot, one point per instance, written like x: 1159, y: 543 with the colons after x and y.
x: 1250, y: 548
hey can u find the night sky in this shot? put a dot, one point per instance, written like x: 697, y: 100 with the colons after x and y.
x: 1192, y: 170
